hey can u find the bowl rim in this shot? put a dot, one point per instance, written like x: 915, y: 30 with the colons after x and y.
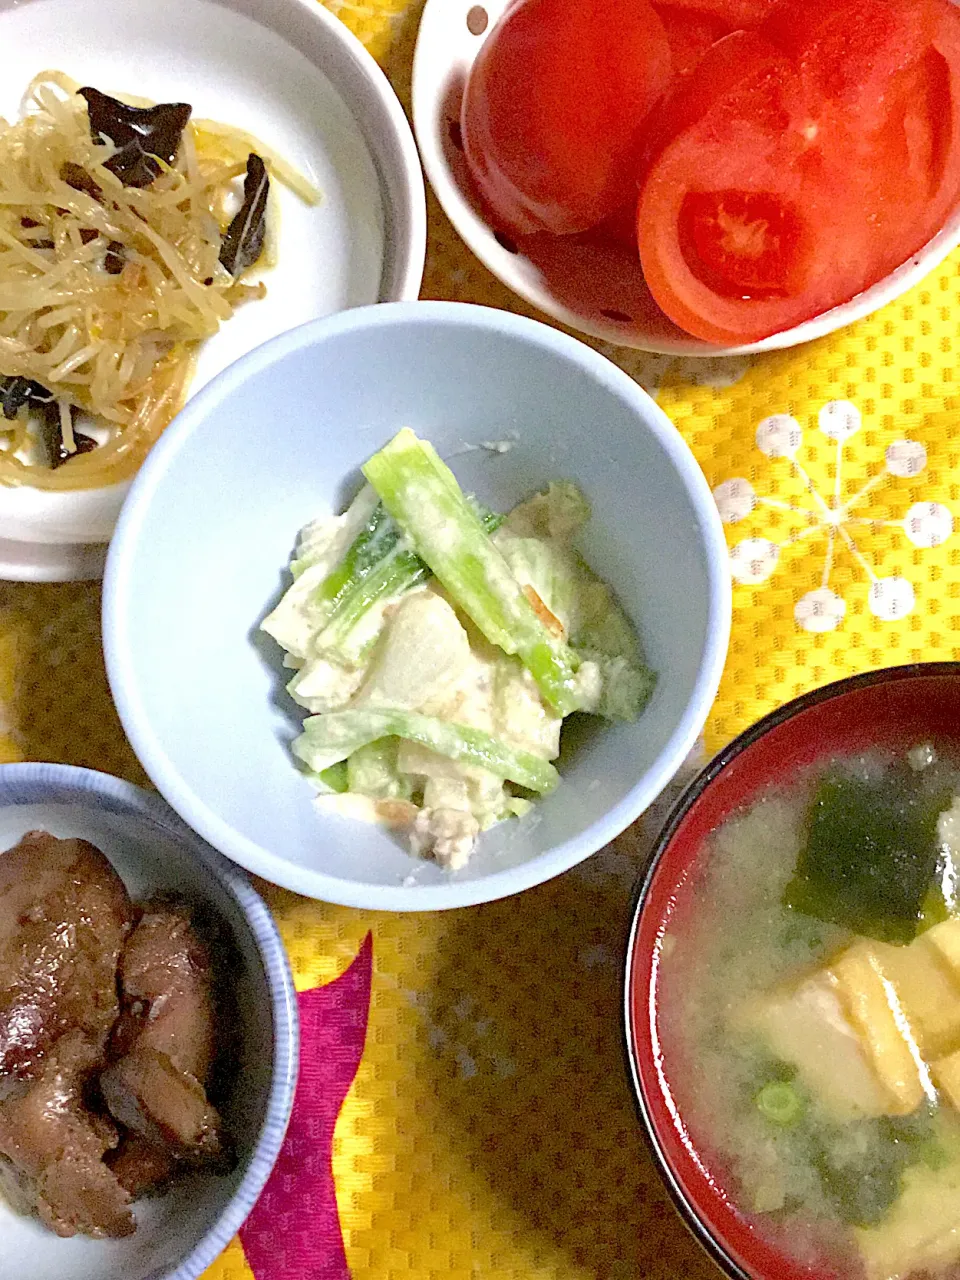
x: 404, y: 260
x: 697, y: 1225
x: 479, y: 237
x: 402, y: 897
x: 41, y: 782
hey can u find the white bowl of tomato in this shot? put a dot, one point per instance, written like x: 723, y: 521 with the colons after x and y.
x: 699, y: 177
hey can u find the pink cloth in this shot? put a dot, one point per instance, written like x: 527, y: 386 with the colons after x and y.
x: 294, y: 1231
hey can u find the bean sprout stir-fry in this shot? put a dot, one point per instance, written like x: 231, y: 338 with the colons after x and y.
x: 126, y: 231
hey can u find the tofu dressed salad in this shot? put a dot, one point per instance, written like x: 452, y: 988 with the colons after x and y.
x: 439, y: 646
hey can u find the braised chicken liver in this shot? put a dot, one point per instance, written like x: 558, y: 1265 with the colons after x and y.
x: 108, y: 1038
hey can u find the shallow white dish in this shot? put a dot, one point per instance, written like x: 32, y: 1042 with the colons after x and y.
x: 291, y: 74
x: 200, y: 690
x: 557, y: 273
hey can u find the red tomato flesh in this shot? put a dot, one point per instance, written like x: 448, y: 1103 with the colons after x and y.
x: 848, y: 49
x: 916, y: 182
x: 554, y: 106
x: 690, y: 34
x: 737, y: 14
x: 745, y: 242
x: 787, y: 183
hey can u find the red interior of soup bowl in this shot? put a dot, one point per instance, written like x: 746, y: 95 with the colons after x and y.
x: 895, y: 708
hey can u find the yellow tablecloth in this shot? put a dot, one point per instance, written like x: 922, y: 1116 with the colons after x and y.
x: 490, y: 1131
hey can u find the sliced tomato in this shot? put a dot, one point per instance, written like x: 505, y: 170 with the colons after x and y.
x: 719, y: 78
x: 885, y: 74
x: 849, y: 49
x: 736, y: 231
x: 619, y: 229
x: 554, y: 107
x: 930, y: 126
x: 746, y: 243
x: 784, y: 188
x: 690, y: 34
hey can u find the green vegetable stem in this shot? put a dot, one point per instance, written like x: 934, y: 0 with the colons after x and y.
x: 327, y: 739
x: 377, y: 566
x: 423, y: 496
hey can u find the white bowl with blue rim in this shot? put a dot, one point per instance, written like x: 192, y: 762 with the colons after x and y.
x: 178, y: 1234
x: 204, y: 538
x: 290, y: 73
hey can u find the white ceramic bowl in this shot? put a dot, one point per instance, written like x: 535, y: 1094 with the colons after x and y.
x: 562, y: 277
x: 178, y: 1235
x: 289, y: 72
x: 275, y: 442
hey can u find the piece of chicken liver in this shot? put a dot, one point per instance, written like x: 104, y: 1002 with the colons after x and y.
x: 166, y: 981
x: 163, y: 1046
x: 52, y: 1146
x: 107, y: 1040
x: 164, y: 1105
x: 140, y: 1166
x: 64, y: 915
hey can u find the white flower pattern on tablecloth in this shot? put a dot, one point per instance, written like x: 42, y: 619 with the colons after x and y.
x: 838, y: 521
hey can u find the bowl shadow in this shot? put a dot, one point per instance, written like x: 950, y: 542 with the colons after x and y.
x: 523, y: 1014
x: 270, y: 654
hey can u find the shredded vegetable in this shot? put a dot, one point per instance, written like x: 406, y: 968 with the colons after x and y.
x: 111, y: 273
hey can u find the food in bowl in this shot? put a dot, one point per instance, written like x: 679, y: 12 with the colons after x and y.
x: 752, y: 178
x: 125, y: 241
x: 109, y: 1041
x: 808, y: 1013
x: 439, y: 647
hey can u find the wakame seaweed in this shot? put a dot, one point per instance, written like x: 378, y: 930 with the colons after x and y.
x: 142, y: 135
x: 242, y: 241
x: 870, y: 855
x: 861, y: 1165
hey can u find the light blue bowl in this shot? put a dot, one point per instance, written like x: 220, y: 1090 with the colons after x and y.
x: 178, y: 1235
x: 200, y: 552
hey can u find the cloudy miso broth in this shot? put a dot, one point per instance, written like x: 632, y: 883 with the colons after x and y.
x: 809, y: 1014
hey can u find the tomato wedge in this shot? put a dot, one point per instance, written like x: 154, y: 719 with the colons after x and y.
x: 804, y: 161
x: 554, y: 107
x: 728, y: 239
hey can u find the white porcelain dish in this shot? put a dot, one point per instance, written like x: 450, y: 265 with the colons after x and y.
x: 276, y: 441
x: 560, y: 276
x: 291, y: 74
x: 178, y: 1235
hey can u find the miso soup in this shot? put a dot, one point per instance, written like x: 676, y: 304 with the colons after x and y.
x: 809, y: 1014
